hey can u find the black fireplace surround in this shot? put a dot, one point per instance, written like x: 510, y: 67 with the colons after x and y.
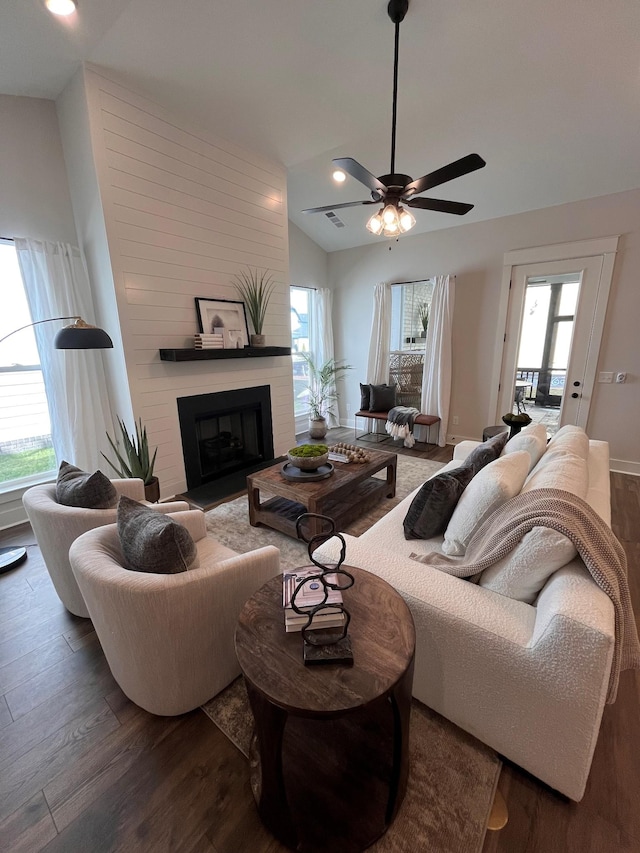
x: 225, y: 433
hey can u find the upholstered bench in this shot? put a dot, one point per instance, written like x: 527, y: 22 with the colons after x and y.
x: 422, y: 420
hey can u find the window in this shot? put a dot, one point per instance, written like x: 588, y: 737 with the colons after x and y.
x: 301, y: 307
x: 25, y: 430
x: 410, y: 312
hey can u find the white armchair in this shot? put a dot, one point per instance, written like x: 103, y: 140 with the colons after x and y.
x: 169, y: 638
x: 56, y: 526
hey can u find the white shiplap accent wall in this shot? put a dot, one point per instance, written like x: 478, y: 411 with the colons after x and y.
x: 183, y: 213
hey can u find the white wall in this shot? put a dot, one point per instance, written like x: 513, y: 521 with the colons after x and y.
x: 34, y: 199
x: 308, y: 263
x: 183, y: 212
x: 34, y: 194
x: 474, y: 253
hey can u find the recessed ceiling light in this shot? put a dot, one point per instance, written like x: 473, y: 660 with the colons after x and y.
x: 339, y: 176
x: 61, y: 7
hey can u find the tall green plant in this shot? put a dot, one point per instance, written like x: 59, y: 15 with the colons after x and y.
x: 134, y: 459
x: 256, y: 289
x: 322, y: 381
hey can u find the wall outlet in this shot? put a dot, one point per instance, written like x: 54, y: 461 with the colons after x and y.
x: 621, y: 377
x: 605, y: 377
x: 455, y: 420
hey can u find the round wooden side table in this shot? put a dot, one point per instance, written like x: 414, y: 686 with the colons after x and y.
x: 329, y: 755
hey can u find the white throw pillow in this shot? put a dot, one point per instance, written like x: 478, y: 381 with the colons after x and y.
x: 493, y: 485
x: 571, y: 437
x: 533, y: 439
x: 522, y: 573
x: 560, y: 469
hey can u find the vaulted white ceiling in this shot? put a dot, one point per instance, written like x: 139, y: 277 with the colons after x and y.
x: 547, y: 92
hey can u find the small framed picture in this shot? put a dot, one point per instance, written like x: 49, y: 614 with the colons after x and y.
x: 225, y: 317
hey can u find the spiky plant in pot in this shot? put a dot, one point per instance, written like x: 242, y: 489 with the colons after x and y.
x: 256, y: 288
x: 134, y: 460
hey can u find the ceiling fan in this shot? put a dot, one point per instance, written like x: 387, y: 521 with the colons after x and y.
x: 395, y: 189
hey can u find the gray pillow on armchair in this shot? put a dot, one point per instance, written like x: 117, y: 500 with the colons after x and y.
x: 153, y: 542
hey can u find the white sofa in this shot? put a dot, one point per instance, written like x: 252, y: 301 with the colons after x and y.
x: 528, y: 679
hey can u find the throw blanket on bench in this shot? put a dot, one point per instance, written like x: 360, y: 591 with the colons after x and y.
x: 601, y: 553
x: 400, y: 423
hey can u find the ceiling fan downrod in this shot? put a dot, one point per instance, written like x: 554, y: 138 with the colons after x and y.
x: 397, y: 9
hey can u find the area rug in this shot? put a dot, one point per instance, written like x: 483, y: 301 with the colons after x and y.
x: 229, y: 522
x: 451, y: 786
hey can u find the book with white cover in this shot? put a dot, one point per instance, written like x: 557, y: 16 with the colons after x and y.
x: 312, y: 593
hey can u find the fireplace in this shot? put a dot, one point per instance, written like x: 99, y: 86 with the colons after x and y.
x: 225, y: 435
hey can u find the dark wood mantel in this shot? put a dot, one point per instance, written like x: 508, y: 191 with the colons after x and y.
x: 205, y: 354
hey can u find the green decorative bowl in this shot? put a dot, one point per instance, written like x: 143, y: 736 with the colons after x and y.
x: 308, y: 463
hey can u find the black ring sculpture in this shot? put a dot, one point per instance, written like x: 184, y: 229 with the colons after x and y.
x: 321, y: 577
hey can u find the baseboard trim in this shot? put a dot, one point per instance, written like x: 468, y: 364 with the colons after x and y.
x: 620, y: 466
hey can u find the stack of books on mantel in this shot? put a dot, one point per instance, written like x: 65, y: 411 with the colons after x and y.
x: 213, y: 341
x: 311, y: 594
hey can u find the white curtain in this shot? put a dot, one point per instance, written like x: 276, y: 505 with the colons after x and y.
x: 56, y: 285
x: 379, y: 346
x: 436, y: 379
x: 321, y: 336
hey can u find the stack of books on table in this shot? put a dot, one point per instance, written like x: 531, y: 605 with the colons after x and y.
x: 311, y: 594
x: 212, y: 341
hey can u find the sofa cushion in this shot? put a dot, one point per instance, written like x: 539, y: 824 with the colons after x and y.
x: 432, y: 507
x: 382, y: 398
x: 496, y: 483
x: 487, y: 451
x: 533, y: 439
x: 365, y: 397
x: 522, y: 574
x: 153, y: 542
x: 75, y: 487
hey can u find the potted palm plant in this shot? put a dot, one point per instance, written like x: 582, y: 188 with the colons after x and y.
x: 256, y: 289
x: 322, y: 394
x: 134, y: 460
x: 423, y: 316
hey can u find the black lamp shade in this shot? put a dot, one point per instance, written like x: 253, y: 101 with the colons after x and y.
x: 82, y: 337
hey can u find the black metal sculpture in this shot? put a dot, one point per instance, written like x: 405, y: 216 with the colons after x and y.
x: 324, y: 645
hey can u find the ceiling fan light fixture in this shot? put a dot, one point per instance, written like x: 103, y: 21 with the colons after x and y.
x: 339, y: 176
x: 61, y: 7
x: 407, y: 220
x: 375, y: 224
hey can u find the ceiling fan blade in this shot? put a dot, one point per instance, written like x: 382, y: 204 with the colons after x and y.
x: 357, y: 171
x: 457, y: 207
x: 337, y: 206
x: 447, y: 173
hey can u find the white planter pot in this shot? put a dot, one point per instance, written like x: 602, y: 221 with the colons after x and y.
x: 317, y: 427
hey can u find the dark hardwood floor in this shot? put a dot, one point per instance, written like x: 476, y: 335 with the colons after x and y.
x: 83, y: 770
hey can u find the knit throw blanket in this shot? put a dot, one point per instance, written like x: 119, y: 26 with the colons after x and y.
x: 400, y: 423
x: 593, y: 539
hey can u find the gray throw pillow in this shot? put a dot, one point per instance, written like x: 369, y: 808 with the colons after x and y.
x: 153, y: 542
x: 431, y: 509
x: 75, y: 487
x: 365, y: 397
x: 487, y: 452
x: 382, y: 398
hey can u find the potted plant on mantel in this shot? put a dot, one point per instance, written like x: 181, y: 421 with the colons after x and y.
x: 256, y: 289
x: 322, y: 396
x: 137, y: 462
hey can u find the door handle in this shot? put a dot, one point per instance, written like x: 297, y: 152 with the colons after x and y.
x: 576, y: 384
x: 575, y: 395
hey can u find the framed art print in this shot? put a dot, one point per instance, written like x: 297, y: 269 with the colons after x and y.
x: 223, y: 315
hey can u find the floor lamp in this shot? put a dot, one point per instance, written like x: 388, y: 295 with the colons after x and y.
x: 78, y: 335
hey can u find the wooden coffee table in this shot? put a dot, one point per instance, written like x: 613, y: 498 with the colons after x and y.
x: 329, y: 755
x: 348, y: 493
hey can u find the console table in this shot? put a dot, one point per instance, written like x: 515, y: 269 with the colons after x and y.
x: 329, y: 754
